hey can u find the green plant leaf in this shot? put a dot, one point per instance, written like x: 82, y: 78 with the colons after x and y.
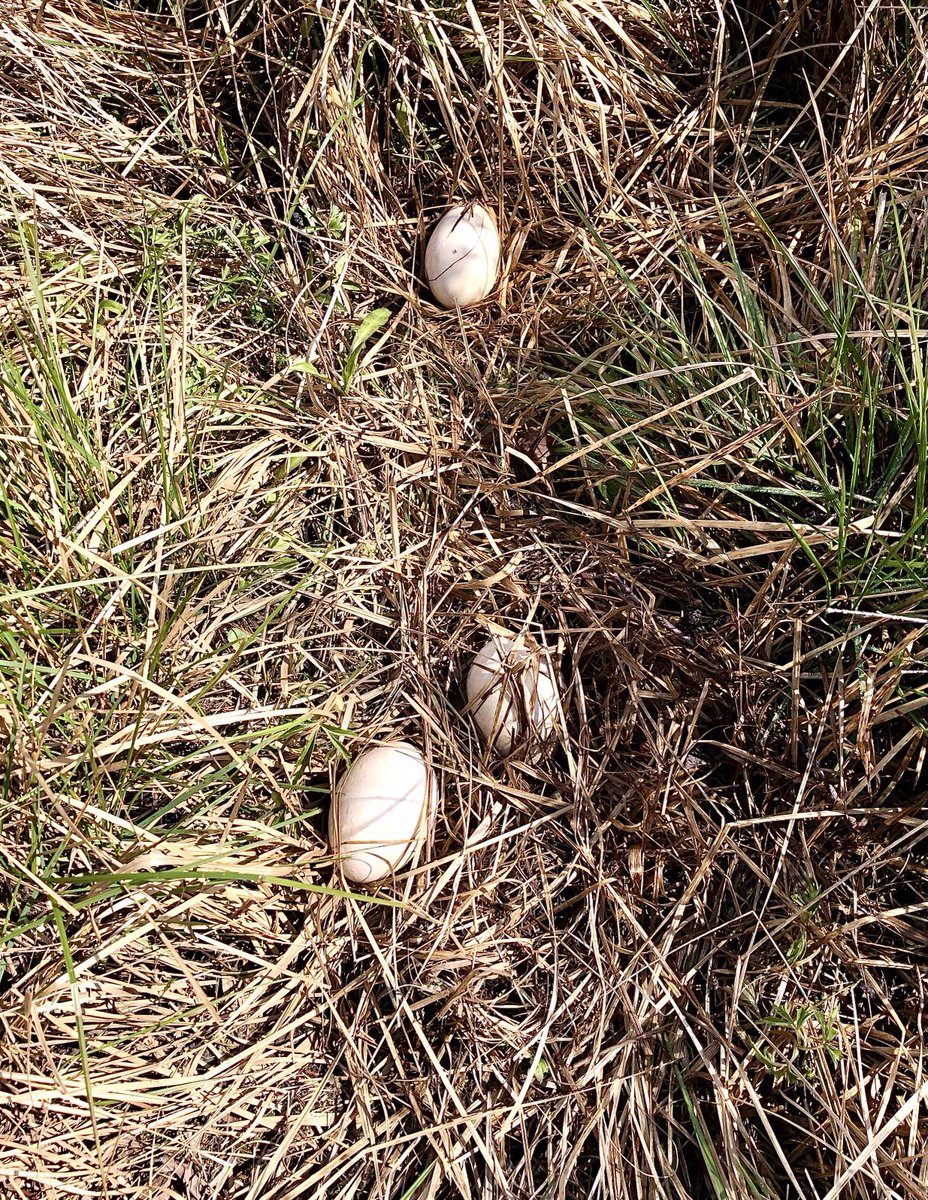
x: 376, y: 319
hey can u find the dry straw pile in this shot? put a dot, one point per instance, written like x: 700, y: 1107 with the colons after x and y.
x: 260, y: 501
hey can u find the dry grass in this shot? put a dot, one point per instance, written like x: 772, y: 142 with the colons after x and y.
x: 250, y: 522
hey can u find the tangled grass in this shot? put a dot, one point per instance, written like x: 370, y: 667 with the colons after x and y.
x: 261, y: 501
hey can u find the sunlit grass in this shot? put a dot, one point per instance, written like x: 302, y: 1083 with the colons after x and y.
x: 260, y: 501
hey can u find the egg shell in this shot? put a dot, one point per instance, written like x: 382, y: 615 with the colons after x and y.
x: 380, y: 811
x: 462, y: 256
x: 511, y: 693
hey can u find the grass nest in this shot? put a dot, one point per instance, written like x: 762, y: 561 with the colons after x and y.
x: 262, y: 500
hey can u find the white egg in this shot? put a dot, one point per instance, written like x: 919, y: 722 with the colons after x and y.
x: 380, y: 811
x: 511, y: 693
x: 462, y: 256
